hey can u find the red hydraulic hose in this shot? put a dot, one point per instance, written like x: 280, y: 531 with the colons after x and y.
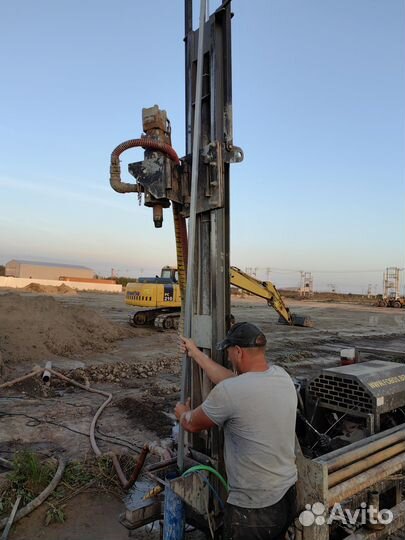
x: 115, y: 168
x: 147, y: 143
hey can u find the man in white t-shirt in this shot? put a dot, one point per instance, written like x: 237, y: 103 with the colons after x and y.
x: 256, y: 407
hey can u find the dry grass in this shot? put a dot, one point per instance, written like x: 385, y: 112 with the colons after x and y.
x: 30, y: 476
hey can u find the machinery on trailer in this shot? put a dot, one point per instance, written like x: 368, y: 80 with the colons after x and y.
x: 391, y: 296
x: 350, y: 418
x: 392, y: 302
x: 161, y: 295
x: 350, y: 425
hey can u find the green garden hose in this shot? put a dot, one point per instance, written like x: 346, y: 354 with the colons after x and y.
x: 209, y: 469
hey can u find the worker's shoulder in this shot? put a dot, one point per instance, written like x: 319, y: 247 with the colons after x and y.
x: 282, y: 377
x: 278, y: 371
x: 274, y: 373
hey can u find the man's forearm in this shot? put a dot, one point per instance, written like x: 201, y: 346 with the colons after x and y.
x: 215, y: 372
x: 186, y: 421
x: 195, y: 420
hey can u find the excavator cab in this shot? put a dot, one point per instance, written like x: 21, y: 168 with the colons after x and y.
x: 170, y: 273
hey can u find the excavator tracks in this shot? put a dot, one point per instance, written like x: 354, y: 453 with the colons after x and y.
x: 168, y: 321
x: 162, y: 319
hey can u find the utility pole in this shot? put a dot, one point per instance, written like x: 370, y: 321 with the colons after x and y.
x: 252, y: 271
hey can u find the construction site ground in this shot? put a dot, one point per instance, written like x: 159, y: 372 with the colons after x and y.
x: 87, y: 337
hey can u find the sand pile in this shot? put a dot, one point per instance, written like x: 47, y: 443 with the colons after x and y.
x: 50, y: 289
x: 37, y: 328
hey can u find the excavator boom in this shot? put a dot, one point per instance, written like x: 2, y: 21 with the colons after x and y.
x: 163, y: 298
x: 266, y: 290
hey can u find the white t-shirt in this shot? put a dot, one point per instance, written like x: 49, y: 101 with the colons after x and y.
x: 257, y: 411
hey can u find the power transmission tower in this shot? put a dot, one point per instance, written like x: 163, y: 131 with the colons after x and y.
x: 391, y: 283
x: 307, y: 284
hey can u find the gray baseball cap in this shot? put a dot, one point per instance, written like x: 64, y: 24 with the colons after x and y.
x: 244, y: 335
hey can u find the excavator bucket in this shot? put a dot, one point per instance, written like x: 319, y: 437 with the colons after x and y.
x: 298, y: 320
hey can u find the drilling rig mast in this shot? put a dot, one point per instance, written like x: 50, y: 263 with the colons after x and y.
x: 197, y: 187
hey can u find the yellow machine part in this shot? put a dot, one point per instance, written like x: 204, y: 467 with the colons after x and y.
x: 160, y: 296
x: 263, y: 289
x: 153, y: 295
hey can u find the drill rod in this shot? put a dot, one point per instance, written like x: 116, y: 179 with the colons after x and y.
x: 188, y: 311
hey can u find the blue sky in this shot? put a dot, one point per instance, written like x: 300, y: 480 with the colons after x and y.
x: 318, y: 90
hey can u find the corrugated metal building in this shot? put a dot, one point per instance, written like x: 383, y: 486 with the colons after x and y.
x: 45, y: 270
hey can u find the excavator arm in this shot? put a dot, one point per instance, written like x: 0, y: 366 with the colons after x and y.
x: 266, y: 290
x: 163, y: 298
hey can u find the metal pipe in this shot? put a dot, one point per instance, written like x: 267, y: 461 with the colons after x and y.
x: 46, y: 375
x: 368, y: 478
x: 362, y: 465
x: 188, y: 17
x: 188, y: 28
x: 188, y: 311
x: 381, y: 351
x: 343, y: 450
x: 307, y: 423
x: 158, y: 215
x: 138, y: 467
x: 363, y: 451
x: 173, y: 515
x: 397, y: 524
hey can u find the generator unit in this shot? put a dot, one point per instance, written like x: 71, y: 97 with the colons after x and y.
x: 370, y: 394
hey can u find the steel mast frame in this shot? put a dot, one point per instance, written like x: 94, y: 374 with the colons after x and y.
x: 164, y: 179
x: 211, y: 302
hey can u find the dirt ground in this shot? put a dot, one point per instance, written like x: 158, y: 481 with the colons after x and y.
x: 87, y: 337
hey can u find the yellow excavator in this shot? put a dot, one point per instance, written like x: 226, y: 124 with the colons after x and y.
x: 161, y: 298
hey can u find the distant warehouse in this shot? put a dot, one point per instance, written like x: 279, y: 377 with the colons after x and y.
x: 46, y: 270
